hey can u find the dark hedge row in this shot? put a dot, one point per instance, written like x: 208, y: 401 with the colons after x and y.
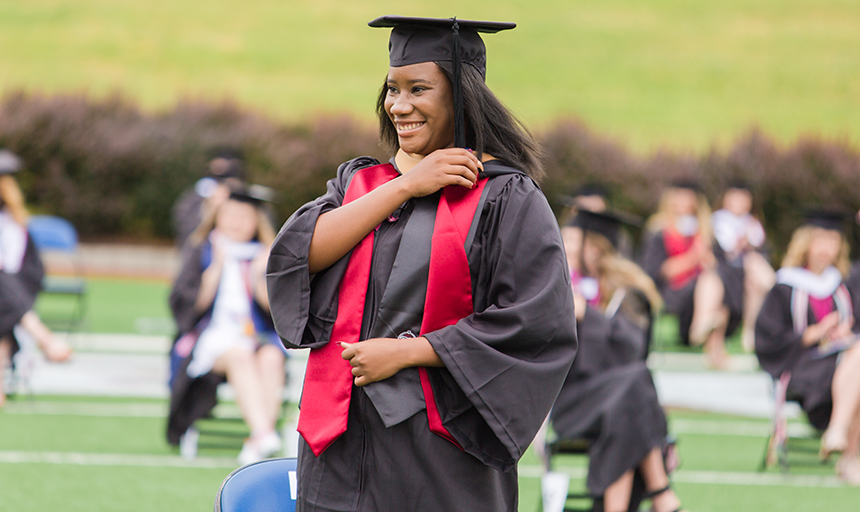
x: 115, y: 171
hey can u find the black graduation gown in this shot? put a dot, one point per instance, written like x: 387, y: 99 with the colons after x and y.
x: 191, y: 398
x: 504, y: 364
x: 609, y: 396
x: 18, y: 291
x: 780, y: 349
x: 680, y: 301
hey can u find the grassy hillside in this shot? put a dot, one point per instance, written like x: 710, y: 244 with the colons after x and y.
x: 680, y: 73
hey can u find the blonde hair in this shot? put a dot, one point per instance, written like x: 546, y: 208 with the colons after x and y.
x: 797, y: 253
x: 614, y: 272
x: 665, y: 217
x: 265, y: 232
x: 12, y: 199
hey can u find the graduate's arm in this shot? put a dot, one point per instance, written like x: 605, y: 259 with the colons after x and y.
x: 258, y: 278
x: 339, y: 230
x: 209, y: 281
x: 377, y: 359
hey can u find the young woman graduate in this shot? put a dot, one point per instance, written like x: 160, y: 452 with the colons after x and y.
x: 21, y: 273
x: 609, y: 396
x: 806, y: 330
x: 221, y: 308
x: 432, y: 291
x: 741, y: 239
x: 679, y: 257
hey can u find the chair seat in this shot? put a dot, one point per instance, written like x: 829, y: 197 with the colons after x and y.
x: 268, y: 485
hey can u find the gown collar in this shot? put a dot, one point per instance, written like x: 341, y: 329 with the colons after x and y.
x: 818, y: 286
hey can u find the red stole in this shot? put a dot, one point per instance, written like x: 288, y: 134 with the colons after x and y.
x: 675, y: 244
x: 329, y: 379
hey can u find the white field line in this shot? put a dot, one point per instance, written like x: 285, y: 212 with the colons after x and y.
x: 114, y: 459
x: 525, y: 471
x: 712, y: 477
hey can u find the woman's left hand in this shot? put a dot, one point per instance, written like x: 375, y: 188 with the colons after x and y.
x: 375, y: 359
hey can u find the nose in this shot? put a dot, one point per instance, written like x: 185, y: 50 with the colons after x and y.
x: 402, y: 106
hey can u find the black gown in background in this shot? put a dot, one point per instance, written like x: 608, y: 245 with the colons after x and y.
x: 679, y: 301
x: 779, y: 348
x: 504, y: 364
x: 18, y: 291
x: 609, y: 396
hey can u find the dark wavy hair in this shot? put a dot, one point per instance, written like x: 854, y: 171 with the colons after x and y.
x: 490, y: 127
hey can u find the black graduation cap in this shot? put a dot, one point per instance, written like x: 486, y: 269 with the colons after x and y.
x: 253, y: 194
x: 416, y: 40
x: 739, y: 184
x: 9, y: 162
x: 825, y: 218
x: 585, y: 190
x: 231, y: 165
x: 607, y: 223
x: 687, y: 184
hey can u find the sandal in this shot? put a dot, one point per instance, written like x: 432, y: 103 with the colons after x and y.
x: 653, y: 494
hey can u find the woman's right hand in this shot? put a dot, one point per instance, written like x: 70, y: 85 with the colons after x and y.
x: 816, y: 332
x: 441, y: 168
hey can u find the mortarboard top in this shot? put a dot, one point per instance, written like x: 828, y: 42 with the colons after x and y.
x: 825, y: 218
x: 416, y: 40
x: 607, y: 223
x: 9, y: 162
x: 686, y: 184
x: 253, y: 194
x: 739, y: 184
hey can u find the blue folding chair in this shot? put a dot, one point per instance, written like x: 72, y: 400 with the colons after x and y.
x: 266, y: 486
x: 58, y: 235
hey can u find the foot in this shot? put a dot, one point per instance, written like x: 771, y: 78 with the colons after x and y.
x: 665, y: 500
x: 848, y: 470
x: 259, y: 447
x: 833, y: 441
x: 56, y: 350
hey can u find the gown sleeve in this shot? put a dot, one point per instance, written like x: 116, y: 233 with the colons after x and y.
x: 304, y: 319
x: 183, y: 295
x: 505, y: 363
x: 777, y: 346
x: 653, y: 258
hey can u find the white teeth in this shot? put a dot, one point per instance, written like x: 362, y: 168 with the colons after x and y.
x: 411, y: 126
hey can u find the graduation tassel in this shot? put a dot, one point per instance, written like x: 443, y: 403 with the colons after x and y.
x: 459, y: 117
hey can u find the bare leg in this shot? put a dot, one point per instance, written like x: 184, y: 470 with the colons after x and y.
x: 759, y: 278
x: 270, y: 362
x: 846, y: 399
x: 5, y: 353
x: 715, y: 345
x: 654, y: 474
x: 54, y: 349
x: 239, y: 365
x: 707, y: 301
x: 617, y: 495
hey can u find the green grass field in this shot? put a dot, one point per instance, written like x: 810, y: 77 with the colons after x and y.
x: 91, y: 454
x: 678, y: 73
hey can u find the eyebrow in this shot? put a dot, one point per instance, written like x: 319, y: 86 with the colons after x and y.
x: 411, y: 82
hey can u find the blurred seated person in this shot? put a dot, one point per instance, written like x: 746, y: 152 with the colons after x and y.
x: 590, y: 196
x: 807, y: 327
x: 609, y: 396
x: 225, y: 170
x: 679, y: 257
x: 21, y: 273
x: 741, y: 237
x: 221, y: 308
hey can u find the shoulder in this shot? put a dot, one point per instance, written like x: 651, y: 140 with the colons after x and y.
x: 347, y: 169
x: 510, y: 183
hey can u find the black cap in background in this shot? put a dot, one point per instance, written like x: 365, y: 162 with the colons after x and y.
x: 686, y: 184
x: 416, y: 40
x: 253, y: 194
x: 826, y: 218
x: 607, y: 224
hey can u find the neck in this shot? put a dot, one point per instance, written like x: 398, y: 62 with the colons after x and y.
x: 817, y: 269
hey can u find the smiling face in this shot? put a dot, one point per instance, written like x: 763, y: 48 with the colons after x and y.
x: 824, y: 249
x: 420, y: 104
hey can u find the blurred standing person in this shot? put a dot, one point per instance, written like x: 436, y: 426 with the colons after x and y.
x: 221, y: 307
x: 679, y: 257
x: 748, y: 276
x: 807, y: 329
x: 225, y: 169
x: 432, y: 291
x: 21, y: 273
x: 609, y: 396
